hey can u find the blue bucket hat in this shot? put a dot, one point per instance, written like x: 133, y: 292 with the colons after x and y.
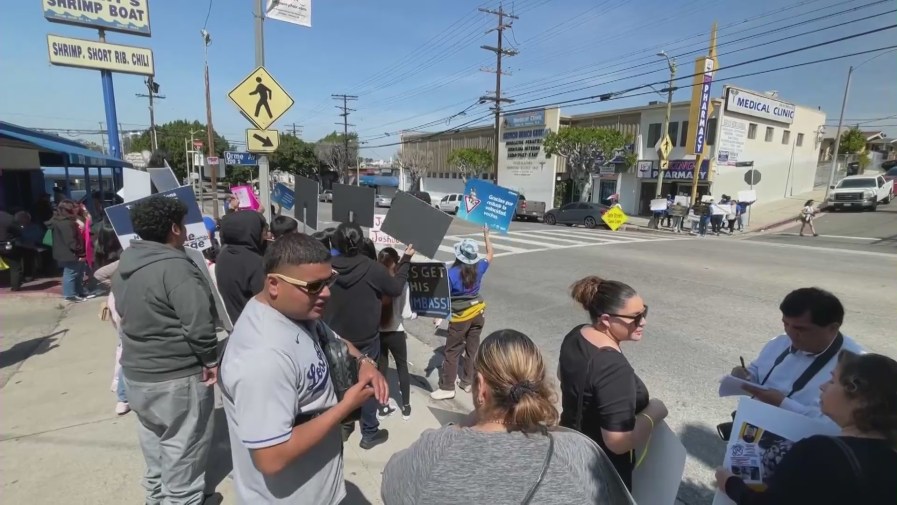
x: 467, y: 251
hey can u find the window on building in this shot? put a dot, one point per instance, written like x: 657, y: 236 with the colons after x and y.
x: 654, y: 130
x: 800, y: 139
x: 752, y: 130
x: 711, y: 132
x: 769, y: 132
x: 683, y: 138
x: 786, y: 137
x: 673, y: 132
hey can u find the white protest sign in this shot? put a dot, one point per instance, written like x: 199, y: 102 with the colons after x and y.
x: 747, y: 196
x: 656, y: 481
x: 658, y: 205
x: 200, y: 262
x: 378, y: 236
x: 761, y: 434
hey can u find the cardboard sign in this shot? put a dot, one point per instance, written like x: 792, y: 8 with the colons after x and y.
x: 429, y: 290
x: 378, y: 236
x: 283, y: 196
x: 412, y: 221
x: 658, y: 205
x: 135, y: 185
x: 357, y: 200
x: 197, y: 235
x: 305, y: 208
x: 656, y: 481
x: 246, y: 196
x: 163, y: 178
x: 488, y: 204
x: 200, y: 262
x: 748, y: 196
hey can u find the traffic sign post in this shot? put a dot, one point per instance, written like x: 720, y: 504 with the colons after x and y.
x: 262, y: 141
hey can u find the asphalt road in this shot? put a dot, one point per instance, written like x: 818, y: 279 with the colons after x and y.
x: 845, y: 230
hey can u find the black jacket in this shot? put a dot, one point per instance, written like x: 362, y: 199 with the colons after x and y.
x: 67, y: 242
x: 353, y: 310
x: 239, y: 270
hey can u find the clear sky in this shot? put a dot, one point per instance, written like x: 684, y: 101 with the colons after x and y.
x: 416, y: 61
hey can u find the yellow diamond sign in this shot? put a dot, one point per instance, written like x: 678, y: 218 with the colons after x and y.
x: 614, y: 218
x: 261, y: 99
x: 666, y: 147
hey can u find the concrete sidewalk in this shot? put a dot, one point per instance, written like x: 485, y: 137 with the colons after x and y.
x: 62, y: 443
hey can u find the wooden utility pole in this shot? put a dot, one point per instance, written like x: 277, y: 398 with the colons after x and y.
x: 345, y: 114
x: 500, y: 52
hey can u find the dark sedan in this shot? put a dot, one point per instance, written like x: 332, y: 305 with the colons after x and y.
x: 891, y: 174
x: 584, y: 213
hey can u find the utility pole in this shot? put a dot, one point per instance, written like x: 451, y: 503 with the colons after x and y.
x: 345, y: 114
x: 264, y: 174
x: 152, y: 88
x: 499, y: 53
x: 671, y: 62
x: 207, y: 39
x: 295, y: 127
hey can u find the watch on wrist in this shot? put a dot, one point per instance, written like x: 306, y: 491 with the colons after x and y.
x: 365, y: 358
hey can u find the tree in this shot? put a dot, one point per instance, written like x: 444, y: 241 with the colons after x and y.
x: 331, y: 151
x: 93, y: 146
x: 417, y: 163
x: 470, y: 161
x: 852, y: 142
x: 585, y: 150
x: 172, y: 137
x: 296, y: 157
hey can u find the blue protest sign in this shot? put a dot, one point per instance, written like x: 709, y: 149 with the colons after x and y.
x: 428, y: 286
x: 240, y: 158
x: 283, y: 196
x: 488, y: 204
x: 197, y: 235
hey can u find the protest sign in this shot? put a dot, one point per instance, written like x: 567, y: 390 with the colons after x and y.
x: 488, y: 204
x: 658, y: 205
x: 135, y: 185
x: 283, y: 196
x: 353, y: 203
x: 246, y: 196
x: 378, y: 236
x: 412, y: 221
x: 429, y: 287
x: 163, y: 178
x: 761, y: 435
x: 197, y: 258
x: 656, y: 481
x: 305, y: 208
x: 197, y: 235
x: 747, y: 196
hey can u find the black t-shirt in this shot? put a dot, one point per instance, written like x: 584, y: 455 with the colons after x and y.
x: 817, y: 471
x: 613, y: 394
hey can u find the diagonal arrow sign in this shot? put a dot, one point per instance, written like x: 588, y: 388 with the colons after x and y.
x: 266, y: 141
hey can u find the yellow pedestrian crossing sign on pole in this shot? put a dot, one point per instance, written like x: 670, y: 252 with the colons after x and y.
x: 261, y: 99
x: 666, y: 147
x: 614, y: 218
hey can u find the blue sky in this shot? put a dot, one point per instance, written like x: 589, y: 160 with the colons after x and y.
x: 416, y: 61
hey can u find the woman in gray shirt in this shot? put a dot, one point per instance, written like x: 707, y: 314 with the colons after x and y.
x: 509, y: 452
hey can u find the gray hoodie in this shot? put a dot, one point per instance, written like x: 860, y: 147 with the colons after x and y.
x: 167, y: 312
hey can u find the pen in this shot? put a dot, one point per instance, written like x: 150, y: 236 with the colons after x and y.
x: 742, y: 362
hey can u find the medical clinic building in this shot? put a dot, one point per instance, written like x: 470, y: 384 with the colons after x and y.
x: 754, y: 142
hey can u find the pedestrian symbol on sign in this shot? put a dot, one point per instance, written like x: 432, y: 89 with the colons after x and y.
x: 264, y: 93
x: 261, y: 99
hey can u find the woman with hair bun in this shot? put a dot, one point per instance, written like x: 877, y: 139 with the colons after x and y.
x: 857, y: 466
x: 601, y: 394
x: 509, y: 451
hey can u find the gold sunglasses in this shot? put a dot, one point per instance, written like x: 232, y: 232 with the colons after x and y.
x: 313, y: 287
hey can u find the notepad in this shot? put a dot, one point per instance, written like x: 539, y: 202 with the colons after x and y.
x: 730, y: 385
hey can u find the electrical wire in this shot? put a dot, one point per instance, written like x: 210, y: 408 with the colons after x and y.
x: 208, y: 13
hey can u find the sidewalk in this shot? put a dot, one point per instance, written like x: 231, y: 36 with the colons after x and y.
x: 61, y: 442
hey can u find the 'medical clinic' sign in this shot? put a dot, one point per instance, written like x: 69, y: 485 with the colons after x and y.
x: 751, y: 104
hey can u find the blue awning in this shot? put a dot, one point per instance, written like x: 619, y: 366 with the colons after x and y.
x: 379, y: 180
x: 69, y: 152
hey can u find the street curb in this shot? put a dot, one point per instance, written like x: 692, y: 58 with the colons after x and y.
x: 777, y: 224
x: 421, y: 371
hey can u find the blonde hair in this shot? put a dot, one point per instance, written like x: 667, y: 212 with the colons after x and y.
x: 513, y: 370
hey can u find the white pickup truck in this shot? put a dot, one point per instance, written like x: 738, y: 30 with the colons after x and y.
x: 861, y: 192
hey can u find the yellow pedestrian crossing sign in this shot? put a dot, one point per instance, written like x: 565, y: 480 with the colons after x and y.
x: 666, y: 147
x: 261, y: 99
x: 614, y: 218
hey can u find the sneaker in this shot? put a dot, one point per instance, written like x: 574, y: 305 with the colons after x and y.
x: 442, y: 394
x: 122, y: 408
x: 374, y: 440
x: 385, y: 411
x: 466, y: 388
x: 89, y: 296
x: 406, y: 412
x: 74, y: 299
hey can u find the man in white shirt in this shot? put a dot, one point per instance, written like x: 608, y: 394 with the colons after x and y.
x: 794, y: 365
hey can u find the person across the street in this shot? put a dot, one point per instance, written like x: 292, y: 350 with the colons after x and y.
x: 169, y: 351
x: 282, y: 410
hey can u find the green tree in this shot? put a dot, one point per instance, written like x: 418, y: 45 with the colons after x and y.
x: 470, y: 162
x: 172, y: 137
x: 585, y: 150
x: 296, y: 157
x: 852, y: 142
x: 331, y: 151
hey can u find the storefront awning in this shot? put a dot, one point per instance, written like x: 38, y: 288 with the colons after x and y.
x: 57, y: 151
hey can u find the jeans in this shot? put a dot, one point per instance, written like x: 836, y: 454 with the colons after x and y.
x: 120, y: 392
x: 462, y: 337
x: 702, y: 226
x: 369, y: 423
x: 72, y: 278
x: 716, y: 222
x: 395, y: 342
x: 175, y: 432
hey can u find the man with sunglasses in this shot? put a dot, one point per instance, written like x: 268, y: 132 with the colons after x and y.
x: 281, y: 406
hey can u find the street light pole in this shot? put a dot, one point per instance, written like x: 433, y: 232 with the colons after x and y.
x: 666, y: 119
x: 207, y: 39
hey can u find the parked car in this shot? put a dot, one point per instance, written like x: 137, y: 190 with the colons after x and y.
x: 450, y: 203
x: 888, y: 165
x: 383, y: 201
x: 326, y: 196
x: 861, y: 192
x: 891, y: 174
x: 584, y: 213
x: 422, y: 196
x: 529, y: 209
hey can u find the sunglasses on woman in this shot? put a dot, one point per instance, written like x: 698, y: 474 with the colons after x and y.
x: 636, y: 318
x: 313, y: 287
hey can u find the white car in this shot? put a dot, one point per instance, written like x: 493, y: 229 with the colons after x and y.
x: 861, y: 192
x: 383, y: 201
x: 326, y: 196
x: 450, y: 203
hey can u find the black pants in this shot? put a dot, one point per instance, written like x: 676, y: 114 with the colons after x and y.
x: 716, y: 222
x: 16, y: 274
x: 395, y: 342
